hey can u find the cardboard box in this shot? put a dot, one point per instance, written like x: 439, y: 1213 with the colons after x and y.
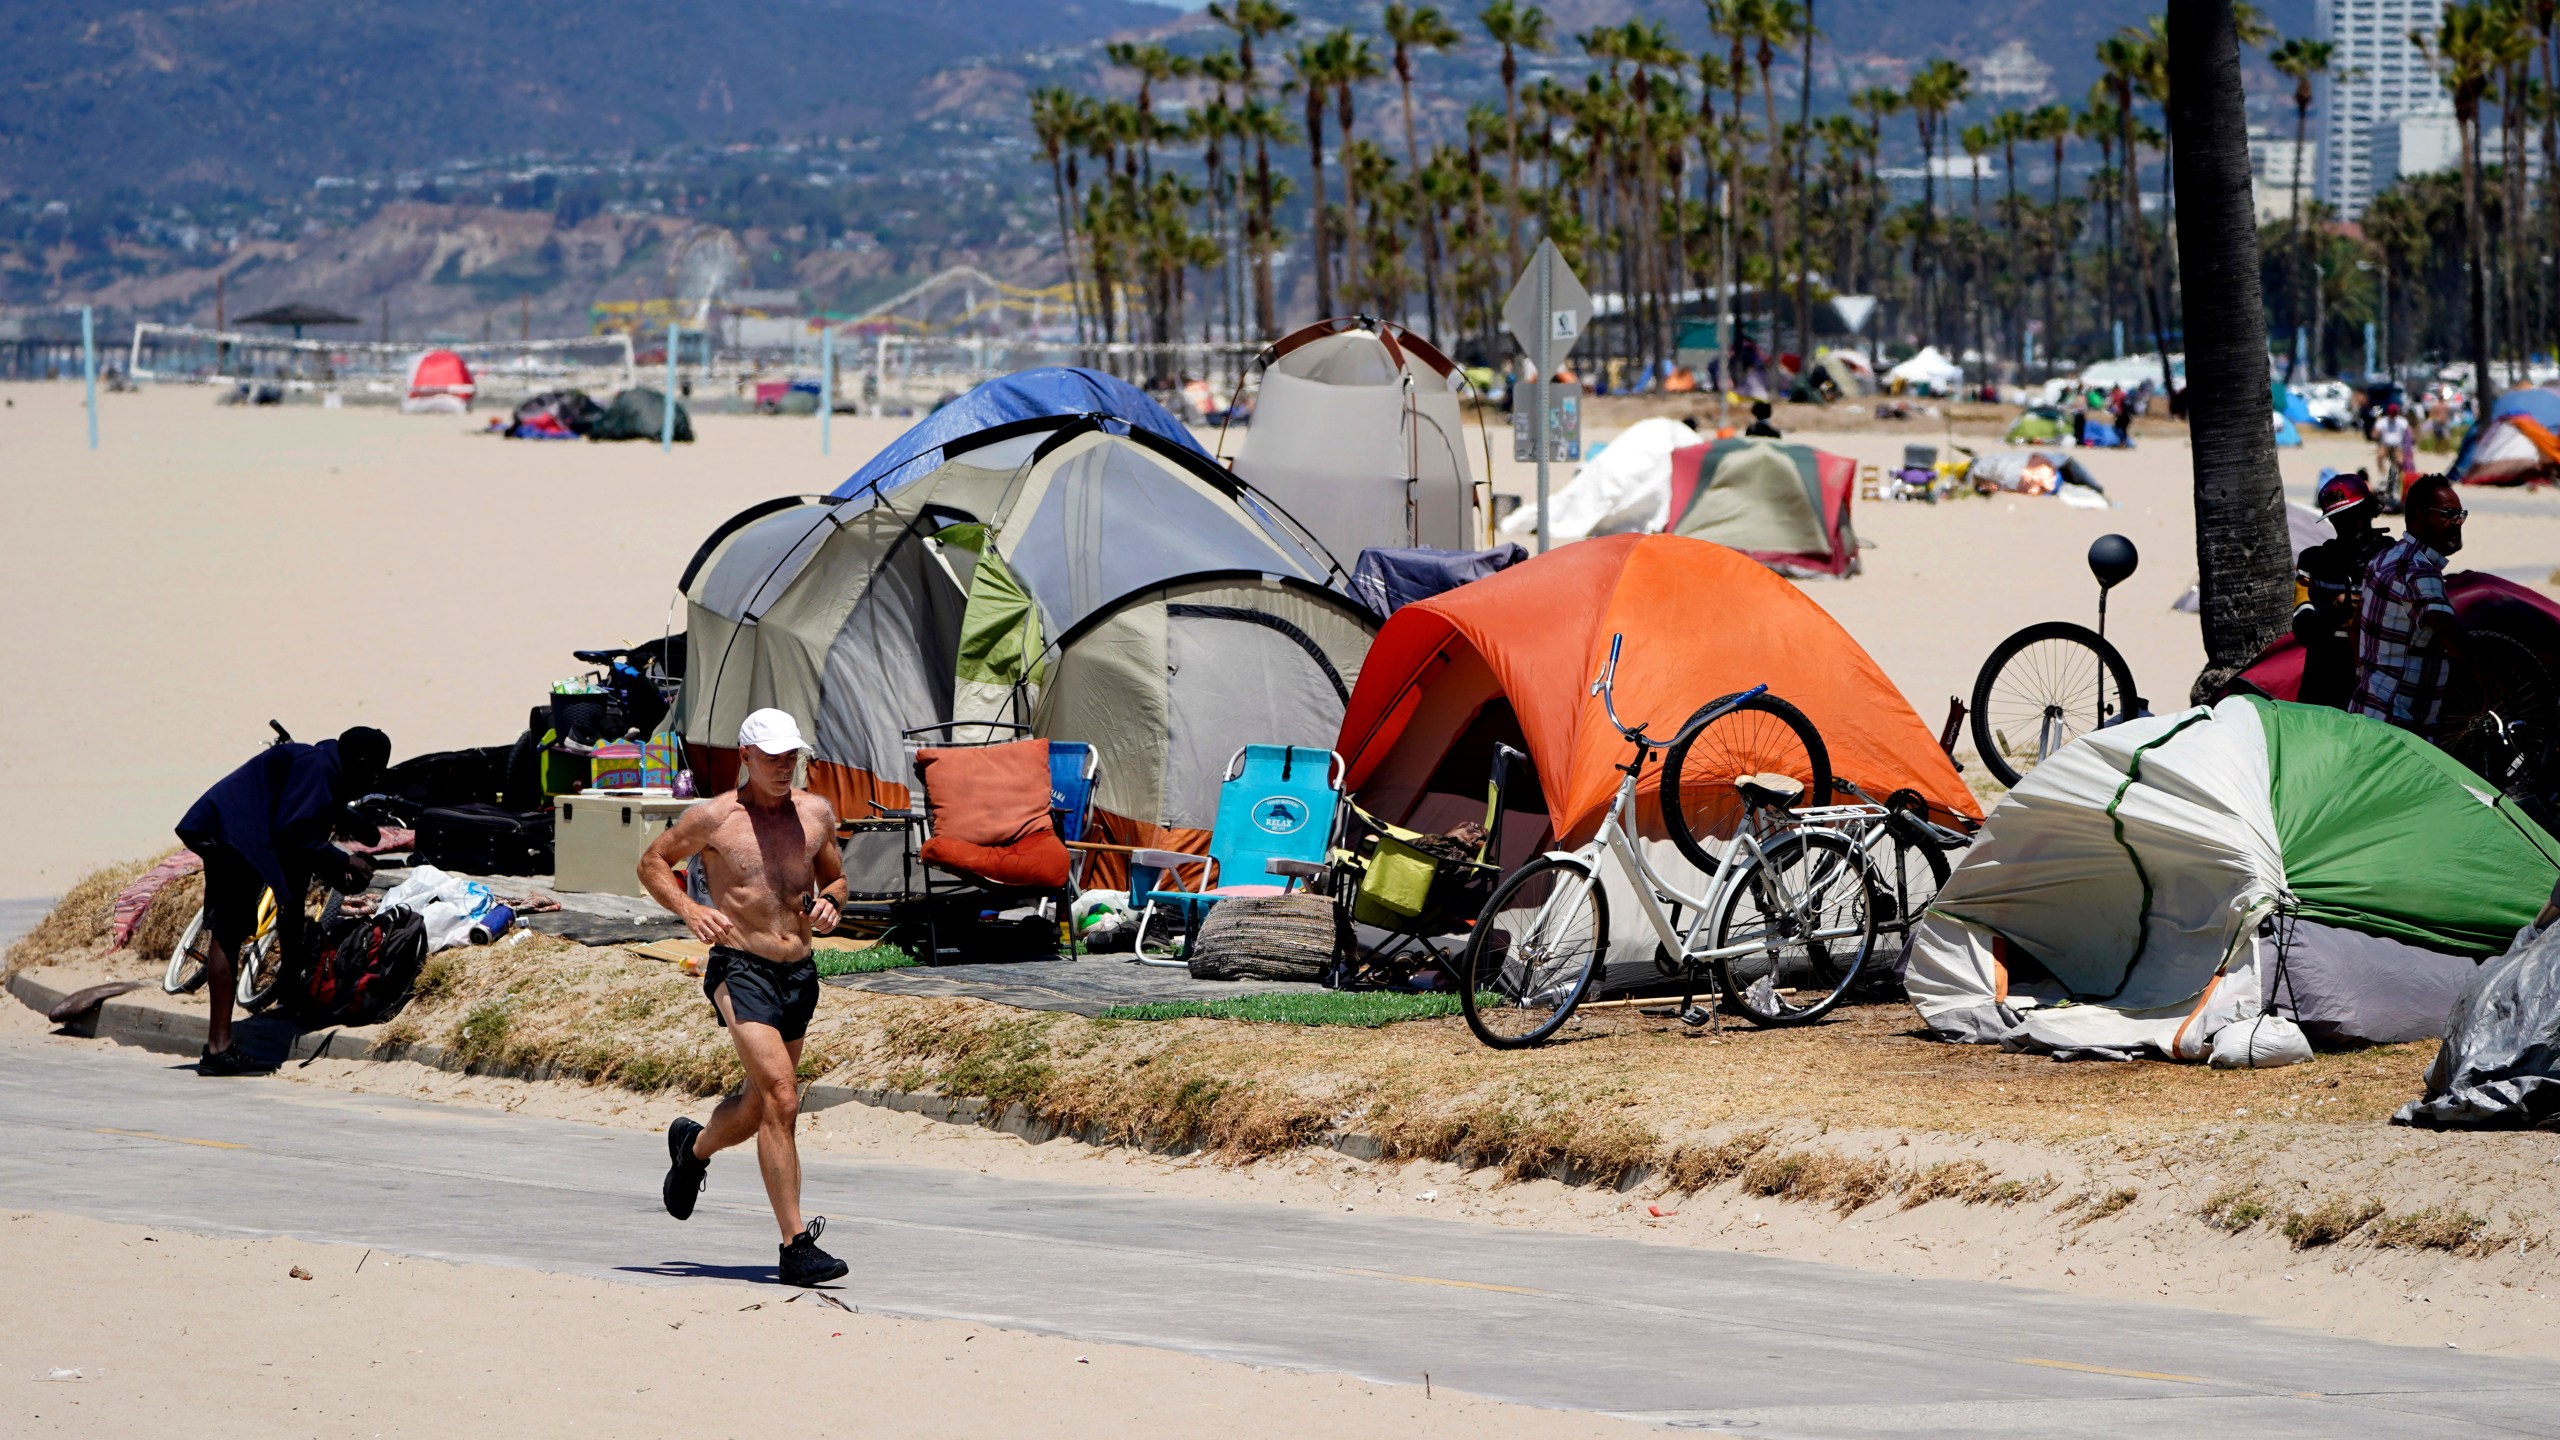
x: 597, y: 839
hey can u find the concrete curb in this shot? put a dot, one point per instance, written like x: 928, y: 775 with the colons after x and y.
x: 148, y: 1020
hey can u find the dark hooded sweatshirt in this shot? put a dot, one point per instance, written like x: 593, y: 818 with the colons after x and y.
x: 275, y: 812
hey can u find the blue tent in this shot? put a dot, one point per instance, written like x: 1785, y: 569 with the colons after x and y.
x: 1023, y: 395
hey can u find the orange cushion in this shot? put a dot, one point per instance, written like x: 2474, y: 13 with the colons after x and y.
x: 989, y: 795
x: 1036, y: 862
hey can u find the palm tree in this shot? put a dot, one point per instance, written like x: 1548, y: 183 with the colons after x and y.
x: 1355, y: 61
x: 2244, y: 559
x: 1213, y: 125
x: 1311, y: 68
x: 1878, y: 101
x: 2463, y: 50
x: 1053, y: 123
x: 1939, y: 86
x: 2051, y: 123
x: 2124, y: 57
x: 1774, y: 25
x: 1514, y: 27
x: 1649, y: 48
x: 1250, y: 20
x: 1154, y: 64
x: 1977, y: 141
x: 2007, y: 129
x: 2301, y: 61
x: 1412, y: 28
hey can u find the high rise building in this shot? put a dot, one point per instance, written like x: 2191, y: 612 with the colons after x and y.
x: 2376, y: 75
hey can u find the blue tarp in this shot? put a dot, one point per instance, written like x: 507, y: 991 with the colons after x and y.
x: 1024, y: 395
x: 1388, y: 580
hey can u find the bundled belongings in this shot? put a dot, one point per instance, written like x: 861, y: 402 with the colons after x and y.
x: 1624, y: 487
x: 2161, y: 879
x: 2499, y: 1068
x: 363, y: 972
x: 1270, y: 937
x: 1388, y: 580
x: 640, y: 414
x: 557, y: 415
x: 2039, y: 425
x: 1358, y: 434
x: 2039, y: 472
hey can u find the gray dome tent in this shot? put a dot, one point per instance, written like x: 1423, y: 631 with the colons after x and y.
x: 880, y: 613
x: 1171, y: 681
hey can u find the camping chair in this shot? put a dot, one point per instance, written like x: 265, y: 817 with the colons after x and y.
x: 987, y: 830
x: 1278, y: 806
x: 1415, y: 887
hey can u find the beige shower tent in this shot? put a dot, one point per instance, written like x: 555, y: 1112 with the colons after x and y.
x: 1357, y: 433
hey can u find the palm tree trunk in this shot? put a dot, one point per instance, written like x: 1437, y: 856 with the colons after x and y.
x: 2476, y: 260
x: 1318, y: 241
x: 2301, y: 232
x: 1804, y: 142
x: 1423, y: 218
x: 2244, y: 555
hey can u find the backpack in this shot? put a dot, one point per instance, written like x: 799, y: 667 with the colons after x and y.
x: 363, y: 970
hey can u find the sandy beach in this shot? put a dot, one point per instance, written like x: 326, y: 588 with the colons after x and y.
x: 209, y: 568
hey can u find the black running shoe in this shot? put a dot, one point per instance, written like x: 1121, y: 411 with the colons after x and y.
x: 686, y: 1174
x: 231, y: 1062
x: 803, y: 1263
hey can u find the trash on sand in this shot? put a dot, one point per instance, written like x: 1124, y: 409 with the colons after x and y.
x: 1658, y: 1213
x: 830, y: 1299
x: 59, y: 1374
x: 298, y: 1273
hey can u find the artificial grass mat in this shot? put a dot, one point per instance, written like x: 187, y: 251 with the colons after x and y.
x: 870, y: 960
x: 1367, y: 1009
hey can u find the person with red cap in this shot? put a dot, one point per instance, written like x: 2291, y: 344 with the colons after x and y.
x: 2328, y: 580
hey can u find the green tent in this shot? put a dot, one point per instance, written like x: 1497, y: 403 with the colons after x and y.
x: 2039, y: 425
x: 2155, y: 877
x: 640, y: 414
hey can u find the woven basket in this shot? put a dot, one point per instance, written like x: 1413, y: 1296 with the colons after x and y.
x: 1276, y: 937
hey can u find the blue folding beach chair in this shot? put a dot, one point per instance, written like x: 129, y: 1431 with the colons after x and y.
x: 1278, y: 807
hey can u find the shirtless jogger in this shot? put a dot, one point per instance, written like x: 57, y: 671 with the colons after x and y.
x: 776, y: 878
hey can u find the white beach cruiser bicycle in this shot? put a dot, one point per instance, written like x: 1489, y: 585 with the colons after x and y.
x: 1786, y: 925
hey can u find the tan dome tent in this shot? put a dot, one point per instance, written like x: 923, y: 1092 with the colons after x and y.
x: 896, y: 608
x: 1170, y: 682
x: 1357, y: 431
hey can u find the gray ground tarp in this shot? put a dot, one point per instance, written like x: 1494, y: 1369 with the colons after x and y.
x: 2500, y: 1065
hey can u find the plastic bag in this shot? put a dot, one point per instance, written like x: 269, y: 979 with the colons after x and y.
x: 2261, y: 1043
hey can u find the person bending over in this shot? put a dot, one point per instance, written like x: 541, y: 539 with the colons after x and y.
x: 776, y: 879
x: 266, y: 826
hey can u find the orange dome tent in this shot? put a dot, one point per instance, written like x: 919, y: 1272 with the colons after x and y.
x: 1511, y: 658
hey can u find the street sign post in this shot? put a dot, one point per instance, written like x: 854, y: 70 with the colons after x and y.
x: 1547, y: 312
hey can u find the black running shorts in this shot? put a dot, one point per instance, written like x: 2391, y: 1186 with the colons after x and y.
x: 763, y: 992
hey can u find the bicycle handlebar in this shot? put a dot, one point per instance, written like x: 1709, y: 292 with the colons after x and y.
x: 1606, y: 688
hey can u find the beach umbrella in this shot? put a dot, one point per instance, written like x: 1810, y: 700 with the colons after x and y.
x: 297, y: 314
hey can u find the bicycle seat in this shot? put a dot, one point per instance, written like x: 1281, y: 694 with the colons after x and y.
x: 598, y: 657
x: 1769, y: 792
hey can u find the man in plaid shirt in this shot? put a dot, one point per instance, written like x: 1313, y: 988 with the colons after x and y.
x: 2407, y: 637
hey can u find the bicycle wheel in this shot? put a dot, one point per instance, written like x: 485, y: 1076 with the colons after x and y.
x: 186, y: 958
x: 1806, y: 907
x: 1535, y: 952
x: 1762, y: 735
x: 2043, y: 687
x: 2505, y: 679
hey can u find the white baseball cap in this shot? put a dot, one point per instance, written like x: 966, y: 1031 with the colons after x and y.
x: 772, y: 731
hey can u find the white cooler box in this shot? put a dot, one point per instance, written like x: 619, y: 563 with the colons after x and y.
x: 598, y: 837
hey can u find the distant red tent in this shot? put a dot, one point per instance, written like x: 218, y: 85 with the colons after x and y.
x: 441, y: 372
x: 2485, y: 602
x: 1786, y: 506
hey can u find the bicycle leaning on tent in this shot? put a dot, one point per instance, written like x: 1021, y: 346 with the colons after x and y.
x: 1786, y: 926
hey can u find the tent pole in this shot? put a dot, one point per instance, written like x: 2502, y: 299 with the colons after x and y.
x: 89, y: 366
x: 667, y: 412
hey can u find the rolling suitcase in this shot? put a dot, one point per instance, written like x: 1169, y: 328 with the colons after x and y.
x: 485, y: 840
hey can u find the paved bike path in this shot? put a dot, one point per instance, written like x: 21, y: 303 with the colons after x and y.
x: 1692, y: 1338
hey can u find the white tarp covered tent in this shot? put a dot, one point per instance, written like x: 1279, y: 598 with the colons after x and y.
x: 1625, y: 488
x: 2159, y: 880
x: 1930, y: 372
x: 1357, y: 433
